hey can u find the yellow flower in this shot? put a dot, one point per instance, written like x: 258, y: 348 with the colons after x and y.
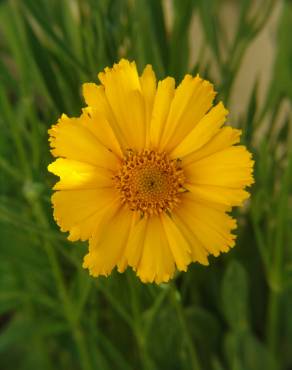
x: 148, y: 173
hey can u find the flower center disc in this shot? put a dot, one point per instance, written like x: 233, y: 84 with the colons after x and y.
x: 150, y: 182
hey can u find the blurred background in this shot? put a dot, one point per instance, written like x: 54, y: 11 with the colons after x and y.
x: 235, y: 314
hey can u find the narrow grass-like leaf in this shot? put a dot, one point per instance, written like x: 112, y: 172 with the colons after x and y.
x: 180, y: 38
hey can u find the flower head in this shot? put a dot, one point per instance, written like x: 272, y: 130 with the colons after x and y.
x: 148, y: 173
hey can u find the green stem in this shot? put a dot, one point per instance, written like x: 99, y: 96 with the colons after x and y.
x: 19, y: 145
x: 68, y: 311
x: 273, y: 321
x: 5, y: 166
x: 115, y: 304
x: 37, y: 338
x: 277, y: 268
x: 195, y: 365
x: 138, y: 329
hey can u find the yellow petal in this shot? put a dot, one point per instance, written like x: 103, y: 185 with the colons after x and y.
x: 95, y: 98
x: 178, y: 245
x: 231, y: 168
x: 218, y: 194
x: 126, y: 72
x: 162, y: 102
x: 80, y: 211
x: 124, y: 94
x: 79, y: 175
x: 135, y: 243
x: 225, y: 138
x: 192, y: 99
x: 198, y: 252
x: 107, y: 245
x: 148, y: 86
x: 207, y: 127
x: 70, y: 138
x: 97, y: 123
x: 156, y: 263
x: 211, y: 227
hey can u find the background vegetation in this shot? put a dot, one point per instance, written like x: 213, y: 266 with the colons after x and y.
x: 235, y: 314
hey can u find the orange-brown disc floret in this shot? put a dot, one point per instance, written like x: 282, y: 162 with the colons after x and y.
x: 150, y: 182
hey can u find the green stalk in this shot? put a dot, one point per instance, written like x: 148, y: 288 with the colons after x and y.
x: 67, y: 307
x: 138, y: 331
x: 11, y: 171
x: 195, y: 365
x: 38, y: 340
x: 19, y: 145
x: 277, y: 268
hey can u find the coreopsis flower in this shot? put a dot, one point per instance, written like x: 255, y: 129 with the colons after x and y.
x: 148, y: 173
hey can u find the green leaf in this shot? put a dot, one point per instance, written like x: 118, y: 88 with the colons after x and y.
x: 281, y: 81
x: 180, y: 38
x: 201, y: 324
x: 256, y: 356
x: 232, y: 350
x: 43, y: 60
x: 208, y: 10
x: 234, y: 293
x: 146, y: 43
x: 250, y: 115
x: 56, y: 41
x: 244, y: 351
x: 16, y: 330
x: 216, y: 365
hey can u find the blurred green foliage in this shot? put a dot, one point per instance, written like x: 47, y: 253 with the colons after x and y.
x: 233, y: 315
